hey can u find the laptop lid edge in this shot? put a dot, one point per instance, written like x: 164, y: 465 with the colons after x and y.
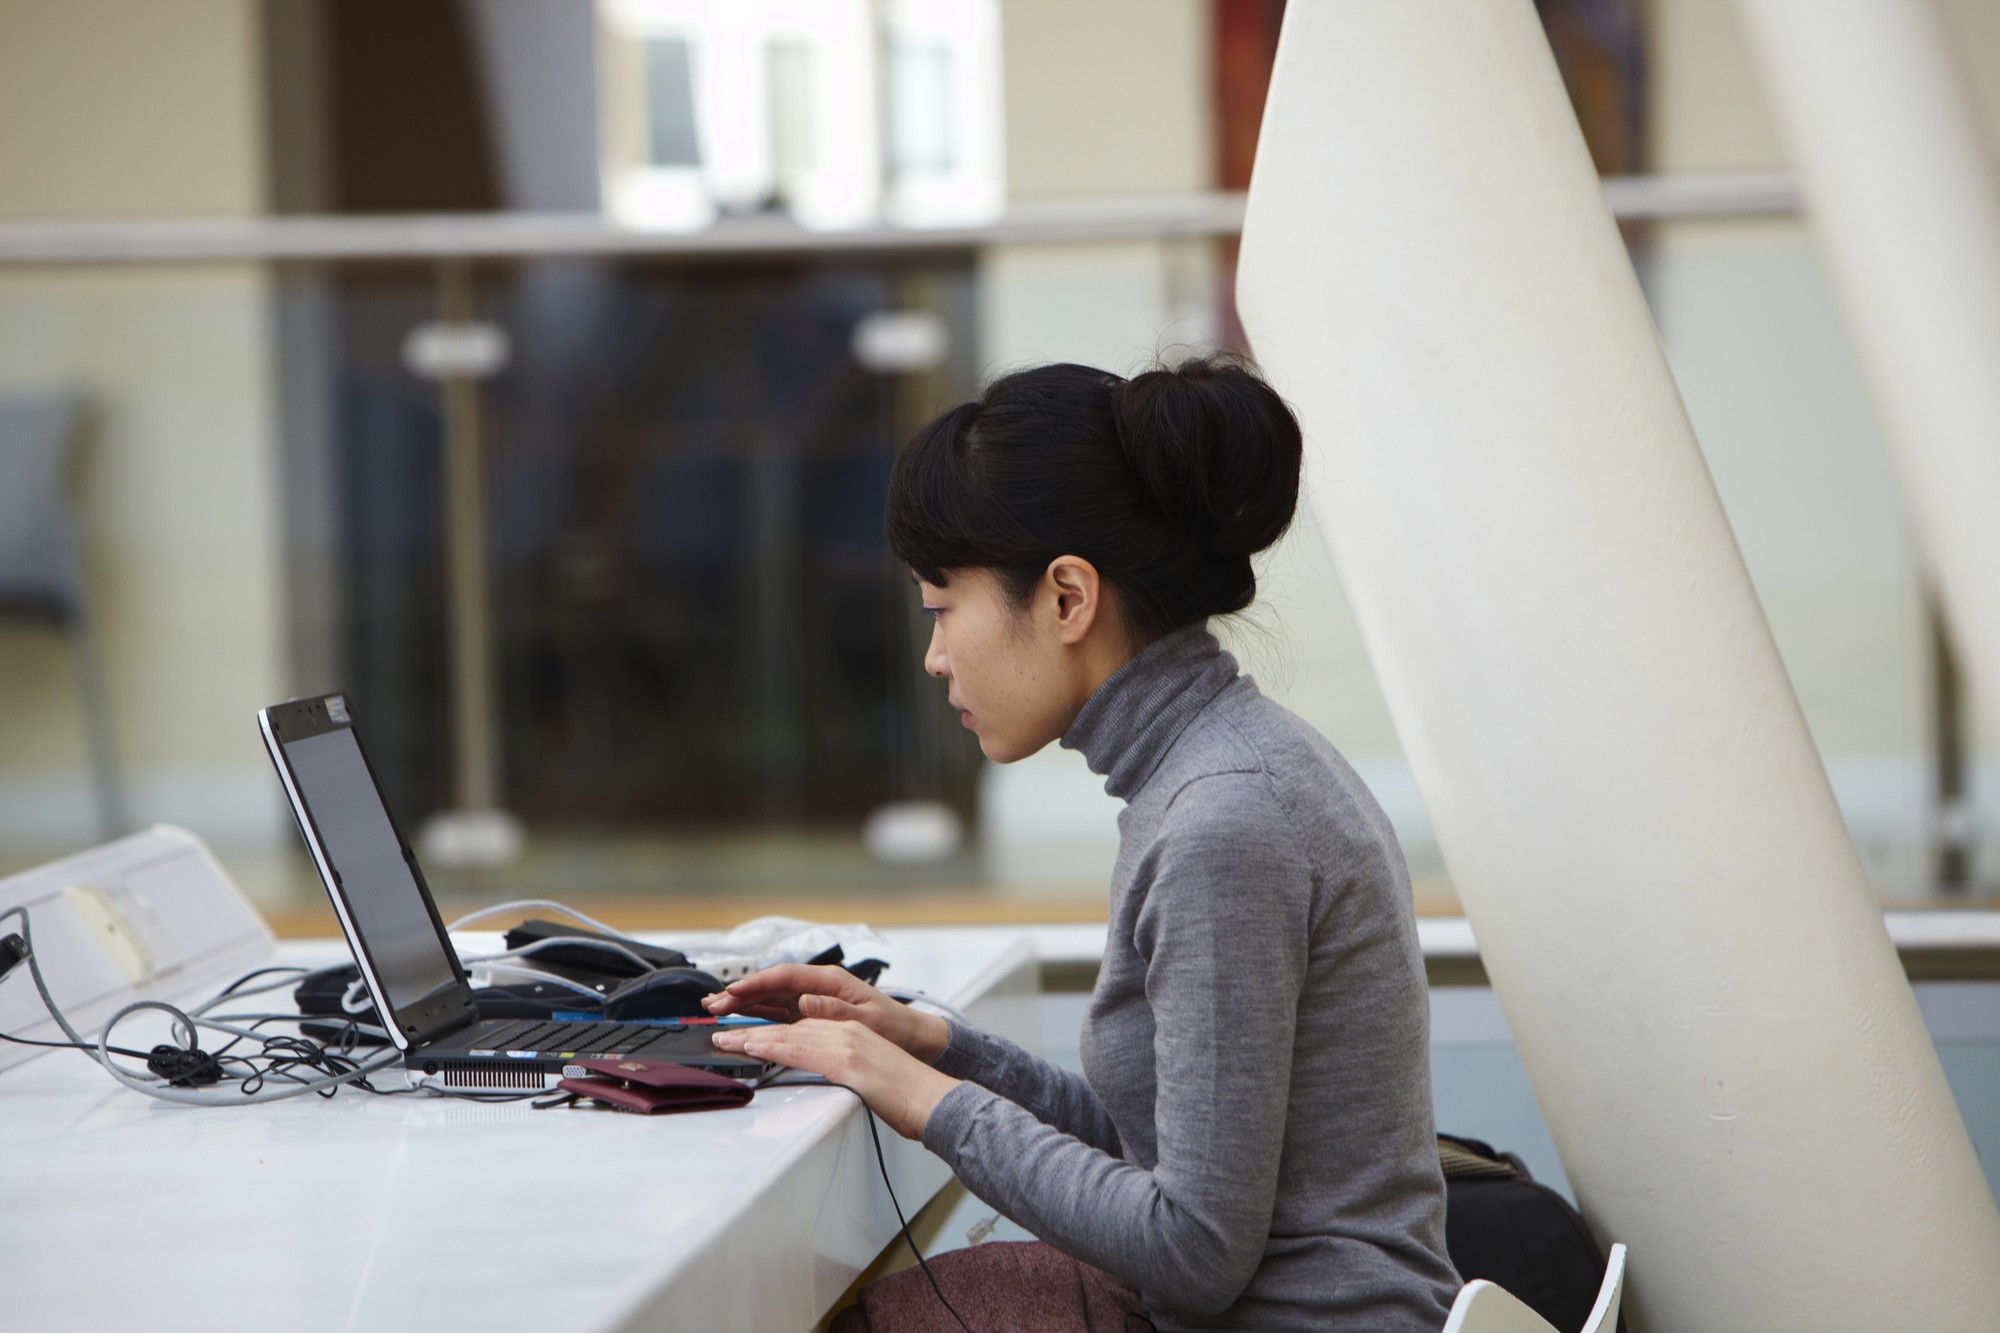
x: 460, y: 988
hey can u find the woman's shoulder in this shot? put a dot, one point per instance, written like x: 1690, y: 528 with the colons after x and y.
x: 1251, y: 765
x: 1244, y: 732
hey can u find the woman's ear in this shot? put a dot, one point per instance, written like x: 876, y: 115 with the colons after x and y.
x: 1077, y: 594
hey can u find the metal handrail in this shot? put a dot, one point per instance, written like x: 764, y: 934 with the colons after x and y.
x: 303, y: 239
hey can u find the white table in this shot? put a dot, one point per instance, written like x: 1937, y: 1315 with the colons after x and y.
x: 119, y: 1212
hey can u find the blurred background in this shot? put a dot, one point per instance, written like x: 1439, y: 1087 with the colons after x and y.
x: 530, y: 371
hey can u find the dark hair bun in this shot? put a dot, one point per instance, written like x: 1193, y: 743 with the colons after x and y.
x: 1217, y: 451
x: 1168, y: 483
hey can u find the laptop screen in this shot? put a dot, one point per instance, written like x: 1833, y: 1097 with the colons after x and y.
x: 389, y: 911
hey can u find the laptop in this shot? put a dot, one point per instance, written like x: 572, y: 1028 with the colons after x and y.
x: 399, y: 940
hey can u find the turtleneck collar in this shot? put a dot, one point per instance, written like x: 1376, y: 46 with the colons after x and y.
x: 1135, y: 717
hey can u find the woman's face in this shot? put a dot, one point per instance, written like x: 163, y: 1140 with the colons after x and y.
x: 1007, y: 668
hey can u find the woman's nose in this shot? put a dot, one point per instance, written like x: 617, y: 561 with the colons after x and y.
x: 935, y: 660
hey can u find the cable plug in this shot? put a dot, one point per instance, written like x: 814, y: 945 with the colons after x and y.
x: 182, y: 1067
x: 13, y: 951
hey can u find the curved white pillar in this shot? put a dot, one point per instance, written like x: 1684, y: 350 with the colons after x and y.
x: 1666, y: 899
x: 1906, y: 203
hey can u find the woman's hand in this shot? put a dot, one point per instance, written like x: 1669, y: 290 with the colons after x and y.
x: 902, y: 1089
x: 791, y: 992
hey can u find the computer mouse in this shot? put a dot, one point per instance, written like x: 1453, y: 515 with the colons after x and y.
x: 666, y: 992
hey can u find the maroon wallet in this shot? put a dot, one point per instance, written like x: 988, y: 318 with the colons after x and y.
x: 652, y: 1087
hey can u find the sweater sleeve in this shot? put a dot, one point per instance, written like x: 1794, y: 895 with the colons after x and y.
x: 1058, y: 1097
x: 1223, y: 932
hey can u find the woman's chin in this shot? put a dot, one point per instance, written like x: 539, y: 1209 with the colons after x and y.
x: 1007, y: 749
x: 998, y: 748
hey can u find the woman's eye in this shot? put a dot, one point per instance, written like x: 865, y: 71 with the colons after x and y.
x: 933, y: 611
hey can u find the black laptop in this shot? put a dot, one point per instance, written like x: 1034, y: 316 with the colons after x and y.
x: 399, y: 940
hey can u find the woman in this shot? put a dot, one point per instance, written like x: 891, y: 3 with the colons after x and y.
x: 1251, y: 1143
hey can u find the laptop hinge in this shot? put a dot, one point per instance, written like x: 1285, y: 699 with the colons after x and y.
x: 441, y: 1013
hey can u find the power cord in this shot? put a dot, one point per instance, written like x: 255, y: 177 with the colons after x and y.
x: 554, y: 941
x: 882, y: 1165
x: 279, y: 1057
x: 180, y: 1068
x: 909, y: 996
x: 524, y: 904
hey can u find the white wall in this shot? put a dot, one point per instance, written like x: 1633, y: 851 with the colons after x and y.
x: 122, y: 108
x: 1106, y: 96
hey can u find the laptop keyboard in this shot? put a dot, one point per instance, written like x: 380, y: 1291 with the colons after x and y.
x: 551, y: 1039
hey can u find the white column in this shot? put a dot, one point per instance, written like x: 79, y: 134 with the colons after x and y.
x: 1668, y: 904
x: 1907, y: 207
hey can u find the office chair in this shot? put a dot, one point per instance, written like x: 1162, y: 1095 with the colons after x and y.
x: 1482, y: 1307
x: 41, y: 565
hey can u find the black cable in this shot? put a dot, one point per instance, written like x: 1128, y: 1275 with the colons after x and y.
x: 489, y: 1095
x: 71, y: 1046
x: 252, y: 975
x: 279, y: 1053
x: 278, y: 1057
x: 882, y: 1164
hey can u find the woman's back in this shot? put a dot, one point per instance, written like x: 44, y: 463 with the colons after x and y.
x: 1258, y: 1035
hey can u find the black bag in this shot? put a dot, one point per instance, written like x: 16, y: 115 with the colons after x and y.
x: 1500, y: 1225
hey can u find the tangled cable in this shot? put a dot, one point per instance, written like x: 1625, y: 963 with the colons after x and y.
x: 280, y: 1066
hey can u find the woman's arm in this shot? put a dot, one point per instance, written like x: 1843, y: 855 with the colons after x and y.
x: 1223, y: 930
x: 900, y: 1088
x: 1058, y: 1097
x: 795, y: 992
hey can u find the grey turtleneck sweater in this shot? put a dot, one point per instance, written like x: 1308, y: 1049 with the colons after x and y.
x: 1251, y: 1143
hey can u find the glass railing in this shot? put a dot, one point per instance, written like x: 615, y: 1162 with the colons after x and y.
x: 587, y: 522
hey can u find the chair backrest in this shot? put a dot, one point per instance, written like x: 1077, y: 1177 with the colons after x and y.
x: 37, y: 525
x: 1483, y: 1307
x: 1604, y: 1314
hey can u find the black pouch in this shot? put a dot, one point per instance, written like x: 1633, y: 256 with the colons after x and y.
x: 588, y: 965
x: 319, y: 995
x: 1500, y: 1224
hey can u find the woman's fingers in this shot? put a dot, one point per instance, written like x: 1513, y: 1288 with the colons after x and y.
x: 880, y: 1015
x: 770, y: 1012
x: 823, y: 1048
x: 901, y: 1089
x: 794, y: 991
x: 831, y: 1008
x: 785, y: 985
x: 803, y: 979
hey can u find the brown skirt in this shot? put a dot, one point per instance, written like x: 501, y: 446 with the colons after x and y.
x: 998, y: 1287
